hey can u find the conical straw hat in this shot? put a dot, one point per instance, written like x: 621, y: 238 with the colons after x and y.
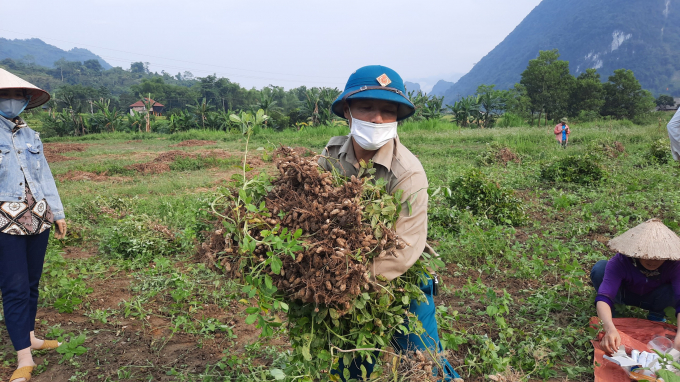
x: 650, y: 240
x: 10, y: 81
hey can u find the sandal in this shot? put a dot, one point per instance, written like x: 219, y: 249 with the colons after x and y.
x: 48, y: 345
x: 22, y: 372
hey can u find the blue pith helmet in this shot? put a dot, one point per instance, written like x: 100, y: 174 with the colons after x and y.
x: 375, y: 82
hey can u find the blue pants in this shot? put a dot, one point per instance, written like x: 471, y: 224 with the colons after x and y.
x: 425, y: 312
x: 655, y: 301
x: 21, y: 265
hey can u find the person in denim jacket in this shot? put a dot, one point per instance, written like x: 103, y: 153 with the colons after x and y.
x: 29, y: 207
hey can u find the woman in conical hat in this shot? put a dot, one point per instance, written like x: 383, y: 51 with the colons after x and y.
x: 29, y: 207
x: 644, y: 273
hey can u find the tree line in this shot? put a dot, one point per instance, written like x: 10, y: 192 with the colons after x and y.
x: 548, y: 92
x: 80, y: 89
x: 88, y: 99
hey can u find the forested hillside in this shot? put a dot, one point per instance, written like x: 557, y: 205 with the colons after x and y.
x: 86, y: 87
x: 36, y: 52
x: 643, y: 36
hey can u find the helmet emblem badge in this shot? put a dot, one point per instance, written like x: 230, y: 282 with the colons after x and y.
x: 383, y: 80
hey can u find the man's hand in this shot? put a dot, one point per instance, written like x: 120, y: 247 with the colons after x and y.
x: 611, y: 341
x: 60, y: 225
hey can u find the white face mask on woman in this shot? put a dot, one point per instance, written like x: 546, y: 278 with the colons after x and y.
x: 10, y: 108
x: 372, y: 136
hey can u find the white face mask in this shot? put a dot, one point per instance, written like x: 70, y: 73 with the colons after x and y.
x: 11, y: 108
x: 372, y: 136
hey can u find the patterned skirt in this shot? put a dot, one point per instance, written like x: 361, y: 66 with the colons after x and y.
x: 25, y: 218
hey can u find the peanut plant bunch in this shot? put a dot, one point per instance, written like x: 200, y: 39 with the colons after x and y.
x: 302, y: 242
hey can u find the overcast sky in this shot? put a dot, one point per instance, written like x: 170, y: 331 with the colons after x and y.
x: 286, y: 43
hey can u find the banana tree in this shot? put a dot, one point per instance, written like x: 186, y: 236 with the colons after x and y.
x: 433, y: 107
x: 491, y: 102
x: 108, y: 119
x: 465, y: 109
x: 326, y: 99
x: 201, y: 110
x: 181, y: 121
x: 267, y: 104
x: 419, y: 100
x: 148, y: 106
x: 136, y: 119
x: 311, y: 106
x: 217, y: 120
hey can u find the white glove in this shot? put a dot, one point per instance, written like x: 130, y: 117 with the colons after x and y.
x: 675, y: 354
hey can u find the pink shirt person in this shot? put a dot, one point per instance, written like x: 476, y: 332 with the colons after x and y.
x: 558, y: 131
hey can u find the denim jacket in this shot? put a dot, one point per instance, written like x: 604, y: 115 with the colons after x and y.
x: 21, y: 157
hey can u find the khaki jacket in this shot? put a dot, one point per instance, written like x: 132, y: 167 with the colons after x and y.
x: 402, y: 171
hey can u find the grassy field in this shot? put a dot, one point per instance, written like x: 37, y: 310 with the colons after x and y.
x: 128, y: 293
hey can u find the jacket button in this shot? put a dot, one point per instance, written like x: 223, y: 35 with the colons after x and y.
x: 19, y: 151
x: 21, y: 184
x: 19, y: 198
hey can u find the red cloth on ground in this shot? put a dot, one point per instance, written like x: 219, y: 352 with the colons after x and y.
x: 635, y: 334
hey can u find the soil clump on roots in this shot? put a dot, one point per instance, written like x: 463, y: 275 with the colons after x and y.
x: 505, y: 155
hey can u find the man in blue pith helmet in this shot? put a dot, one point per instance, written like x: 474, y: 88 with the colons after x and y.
x: 373, y: 102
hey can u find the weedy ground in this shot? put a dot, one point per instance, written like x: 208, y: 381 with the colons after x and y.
x: 126, y: 290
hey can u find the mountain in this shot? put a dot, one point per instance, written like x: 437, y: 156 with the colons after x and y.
x: 427, y: 83
x: 440, y: 88
x: 412, y: 86
x: 643, y: 36
x: 40, y: 53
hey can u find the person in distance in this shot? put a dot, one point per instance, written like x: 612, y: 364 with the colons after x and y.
x: 644, y: 273
x: 373, y: 102
x: 562, y: 132
x: 29, y: 207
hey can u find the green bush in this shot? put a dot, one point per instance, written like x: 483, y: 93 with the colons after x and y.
x: 201, y: 162
x: 442, y: 216
x: 659, y: 152
x: 483, y: 197
x: 110, y: 168
x: 646, y: 119
x: 135, y: 237
x: 161, y: 127
x: 588, y: 116
x: 510, y: 120
x: 581, y: 169
x: 606, y: 148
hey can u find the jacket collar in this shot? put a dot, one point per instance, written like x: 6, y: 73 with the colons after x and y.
x: 6, y: 124
x: 383, y: 157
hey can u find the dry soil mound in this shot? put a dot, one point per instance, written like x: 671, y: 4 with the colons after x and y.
x: 194, y: 142
x: 53, y: 151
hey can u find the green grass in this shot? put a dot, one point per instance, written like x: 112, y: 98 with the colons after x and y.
x: 513, y: 296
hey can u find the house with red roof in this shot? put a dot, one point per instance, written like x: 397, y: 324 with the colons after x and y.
x: 140, y: 107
